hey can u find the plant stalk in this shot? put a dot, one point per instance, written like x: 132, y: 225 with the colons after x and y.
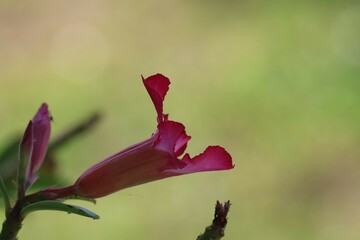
x: 12, y: 224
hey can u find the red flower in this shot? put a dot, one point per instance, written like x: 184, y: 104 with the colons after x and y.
x: 153, y: 159
x: 33, y: 147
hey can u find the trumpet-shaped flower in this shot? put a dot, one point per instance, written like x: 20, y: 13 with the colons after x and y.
x: 155, y: 158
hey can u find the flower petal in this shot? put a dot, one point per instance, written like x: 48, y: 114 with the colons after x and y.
x: 172, y: 138
x: 157, y: 87
x: 181, y: 144
x: 25, y: 152
x: 212, y: 159
x: 27, y: 141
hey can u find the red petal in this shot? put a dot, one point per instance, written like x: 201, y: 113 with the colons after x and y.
x: 27, y: 142
x: 172, y: 138
x: 181, y: 144
x: 212, y: 159
x: 26, y: 148
x: 157, y: 87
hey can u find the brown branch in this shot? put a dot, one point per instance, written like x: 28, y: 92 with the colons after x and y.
x: 217, y: 229
x: 74, y: 131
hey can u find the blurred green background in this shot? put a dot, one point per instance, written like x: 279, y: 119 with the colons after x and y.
x: 277, y: 84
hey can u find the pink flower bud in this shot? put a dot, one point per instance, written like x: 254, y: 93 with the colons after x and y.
x: 33, y: 146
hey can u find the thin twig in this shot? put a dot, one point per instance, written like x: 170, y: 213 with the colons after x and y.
x: 217, y: 229
x: 77, y: 130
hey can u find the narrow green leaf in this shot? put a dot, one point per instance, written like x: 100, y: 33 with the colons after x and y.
x: 5, y: 196
x: 81, y: 198
x: 9, y: 152
x: 58, y: 206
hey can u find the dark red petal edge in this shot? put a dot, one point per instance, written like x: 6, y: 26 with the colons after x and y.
x: 214, y: 158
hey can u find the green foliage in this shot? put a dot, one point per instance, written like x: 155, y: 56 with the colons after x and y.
x: 58, y: 206
x: 4, y: 194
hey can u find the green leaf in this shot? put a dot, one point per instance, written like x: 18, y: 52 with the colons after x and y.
x: 5, y: 196
x: 58, y: 206
x: 81, y: 198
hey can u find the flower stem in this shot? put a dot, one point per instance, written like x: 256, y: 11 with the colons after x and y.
x: 12, y: 224
x: 51, y: 194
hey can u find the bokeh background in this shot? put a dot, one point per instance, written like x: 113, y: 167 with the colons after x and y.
x: 276, y: 83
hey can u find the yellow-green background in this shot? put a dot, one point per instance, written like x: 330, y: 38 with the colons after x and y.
x: 276, y: 83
